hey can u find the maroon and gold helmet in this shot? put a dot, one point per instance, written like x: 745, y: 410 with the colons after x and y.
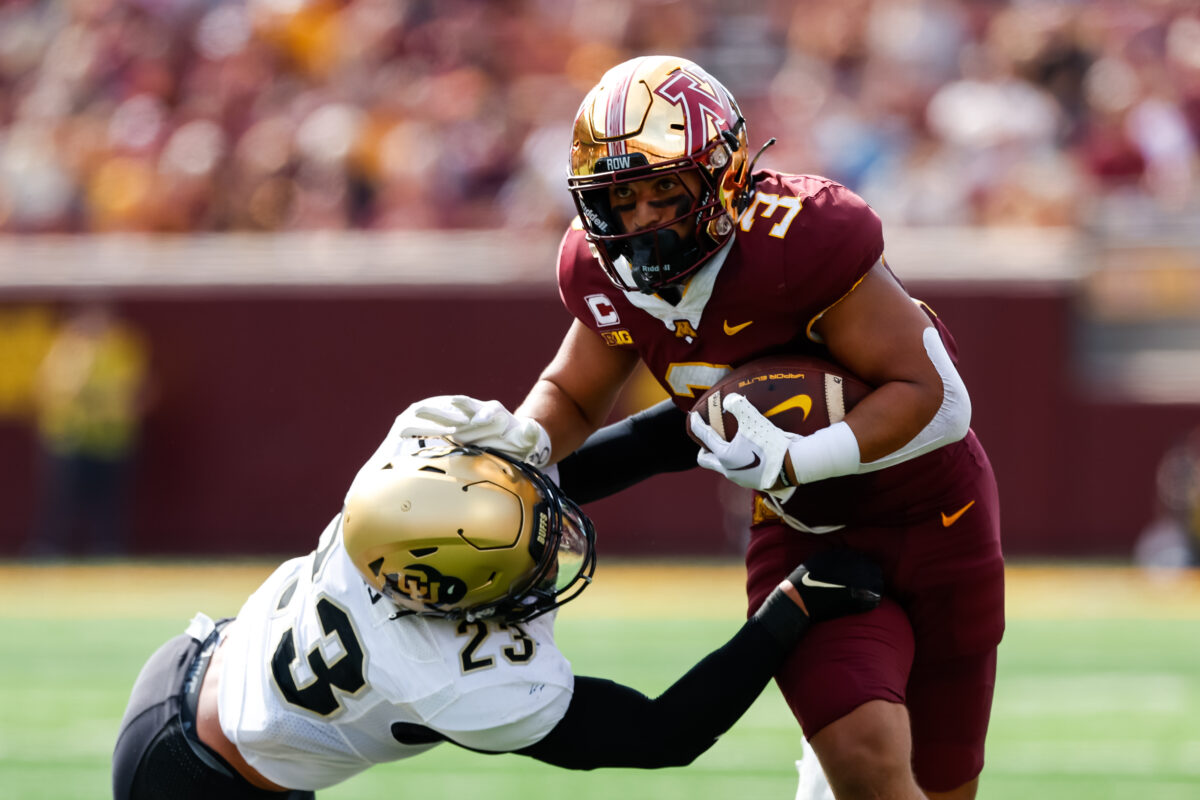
x: 649, y: 117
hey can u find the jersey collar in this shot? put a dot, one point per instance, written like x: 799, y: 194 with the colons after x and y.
x: 695, y: 295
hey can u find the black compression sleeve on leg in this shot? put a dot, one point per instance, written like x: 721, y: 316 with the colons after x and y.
x: 626, y: 452
x: 611, y: 725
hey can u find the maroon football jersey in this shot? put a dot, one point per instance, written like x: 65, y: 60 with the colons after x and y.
x: 802, y: 244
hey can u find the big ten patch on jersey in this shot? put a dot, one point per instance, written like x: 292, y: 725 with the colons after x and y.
x: 606, y: 316
x: 617, y: 338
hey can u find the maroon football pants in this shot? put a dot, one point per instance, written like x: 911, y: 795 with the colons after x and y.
x: 930, y: 645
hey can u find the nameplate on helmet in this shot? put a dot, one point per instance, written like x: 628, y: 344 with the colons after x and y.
x: 616, y: 163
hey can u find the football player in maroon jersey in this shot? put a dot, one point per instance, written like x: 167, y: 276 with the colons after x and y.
x: 687, y: 259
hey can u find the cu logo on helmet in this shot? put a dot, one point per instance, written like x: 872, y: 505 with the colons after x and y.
x: 424, y: 583
x: 698, y: 104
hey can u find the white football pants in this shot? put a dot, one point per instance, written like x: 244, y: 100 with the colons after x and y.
x: 813, y: 784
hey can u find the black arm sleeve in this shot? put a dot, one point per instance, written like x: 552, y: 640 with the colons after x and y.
x: 611, y: 725
x: 619, y: 455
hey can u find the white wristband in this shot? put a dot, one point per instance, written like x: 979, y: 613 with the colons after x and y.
x: 828, y: 453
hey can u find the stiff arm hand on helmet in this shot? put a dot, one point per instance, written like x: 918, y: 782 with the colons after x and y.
x: 484, y: 423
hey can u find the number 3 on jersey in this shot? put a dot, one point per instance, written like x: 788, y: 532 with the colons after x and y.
x: 694, y: 378
x: 770, y: 203
x: 310, y: 683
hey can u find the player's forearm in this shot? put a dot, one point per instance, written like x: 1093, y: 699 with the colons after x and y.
x: 891, y: 416
x: 627, y: 452
x: 921, y: 416
x: 577, y: 391
x: 611, y: 725
x: 897, y: 422
x: 566, y: 421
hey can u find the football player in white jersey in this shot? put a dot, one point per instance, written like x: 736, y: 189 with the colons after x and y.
x: 426, y: 615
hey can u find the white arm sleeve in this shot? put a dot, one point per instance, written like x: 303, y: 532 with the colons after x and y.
x: 949, y: 424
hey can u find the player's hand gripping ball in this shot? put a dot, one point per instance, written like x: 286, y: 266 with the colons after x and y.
x: 799, y: 394
x: 774, y: 400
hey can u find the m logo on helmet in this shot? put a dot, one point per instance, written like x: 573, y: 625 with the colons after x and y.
x: 425, y: 584
x: 699, y: 105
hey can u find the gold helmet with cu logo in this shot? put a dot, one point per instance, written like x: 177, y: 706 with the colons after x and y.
x: 466, y: 532
x: 658, y: 117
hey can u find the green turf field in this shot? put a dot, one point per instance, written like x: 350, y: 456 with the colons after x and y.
x: 1098, y: 694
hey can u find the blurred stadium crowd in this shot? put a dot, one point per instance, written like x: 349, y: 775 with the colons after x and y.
x: 265, y: 115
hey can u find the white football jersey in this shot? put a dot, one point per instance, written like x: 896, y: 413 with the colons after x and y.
x: 318, y: 680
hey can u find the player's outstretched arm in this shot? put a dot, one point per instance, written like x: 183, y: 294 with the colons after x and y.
x: 611, y: 725
x: 627, y: 452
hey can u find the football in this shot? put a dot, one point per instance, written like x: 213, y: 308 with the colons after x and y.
x: 800, y: 394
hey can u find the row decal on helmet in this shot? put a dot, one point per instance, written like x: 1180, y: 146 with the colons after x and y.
x: 683, y: 89
x: 617, y: 103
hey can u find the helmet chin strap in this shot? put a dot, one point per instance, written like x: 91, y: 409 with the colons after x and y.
x: 655, y: 258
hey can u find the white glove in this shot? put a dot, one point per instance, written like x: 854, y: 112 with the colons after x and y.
x: 471, y: 421
x: 754, y: 456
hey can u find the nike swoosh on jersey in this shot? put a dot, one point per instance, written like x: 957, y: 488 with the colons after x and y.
x: 808, y: 580
x: 800, y: 401
x: 730, y: 330
x: 950, y: 519
x: 753, y: 463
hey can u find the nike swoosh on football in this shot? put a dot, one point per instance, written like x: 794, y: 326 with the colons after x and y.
x: 730, y: 330
x: 950, y: 519
x: 808, y: 580
x: 751, y: 465
x: 800, y: 401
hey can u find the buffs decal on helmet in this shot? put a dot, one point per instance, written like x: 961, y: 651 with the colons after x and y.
x: 655, y: 117
x: 467, y: 532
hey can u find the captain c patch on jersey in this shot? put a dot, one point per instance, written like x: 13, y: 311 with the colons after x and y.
x: 602, y: 309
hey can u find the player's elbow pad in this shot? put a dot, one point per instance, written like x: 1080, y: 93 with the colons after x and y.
x: 949, y: 424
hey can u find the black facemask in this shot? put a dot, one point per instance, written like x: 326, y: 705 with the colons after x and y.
x: 657, y: 257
